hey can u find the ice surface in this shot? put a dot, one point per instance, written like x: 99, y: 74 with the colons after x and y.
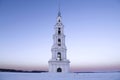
x: 59, y: 76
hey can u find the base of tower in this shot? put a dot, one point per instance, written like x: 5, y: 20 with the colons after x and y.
x: 59, y: 66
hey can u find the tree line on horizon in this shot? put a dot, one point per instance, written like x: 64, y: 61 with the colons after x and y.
x: 14, y: 70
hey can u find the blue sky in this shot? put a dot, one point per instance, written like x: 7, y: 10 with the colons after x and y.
x: 92, y: 29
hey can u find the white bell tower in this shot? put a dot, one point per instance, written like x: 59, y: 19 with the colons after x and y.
x: 59, y: 61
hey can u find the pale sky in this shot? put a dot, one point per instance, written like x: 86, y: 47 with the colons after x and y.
x: 92, y: 29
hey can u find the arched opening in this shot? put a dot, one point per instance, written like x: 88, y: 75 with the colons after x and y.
x: 59, y: 56
x: 59, y: 40
x: 59, y: 44
x: 59, y: 31
x: 59, y: 70
x: 59, y: 20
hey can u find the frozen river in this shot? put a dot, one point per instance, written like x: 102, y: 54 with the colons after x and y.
x: 59, y: 76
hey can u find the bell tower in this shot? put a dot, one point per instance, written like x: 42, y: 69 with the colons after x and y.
x: 59, y: 61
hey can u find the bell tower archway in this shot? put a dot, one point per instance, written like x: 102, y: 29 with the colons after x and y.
x: 59, y: 69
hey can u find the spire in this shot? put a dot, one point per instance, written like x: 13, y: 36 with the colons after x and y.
x: 59, y: 13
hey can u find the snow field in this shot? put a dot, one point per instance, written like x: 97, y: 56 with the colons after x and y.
x: 59, y: 76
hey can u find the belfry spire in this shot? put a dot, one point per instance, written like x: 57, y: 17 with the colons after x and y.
x: 59, y: 13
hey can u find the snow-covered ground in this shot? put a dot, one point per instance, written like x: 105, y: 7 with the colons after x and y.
x: 59, y: 76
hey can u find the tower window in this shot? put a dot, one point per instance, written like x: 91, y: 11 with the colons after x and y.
x: 59, y: 20
x: 59, y: 44
x: 59, y: 56
x: 59, y: 40
x: 59, y: 31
